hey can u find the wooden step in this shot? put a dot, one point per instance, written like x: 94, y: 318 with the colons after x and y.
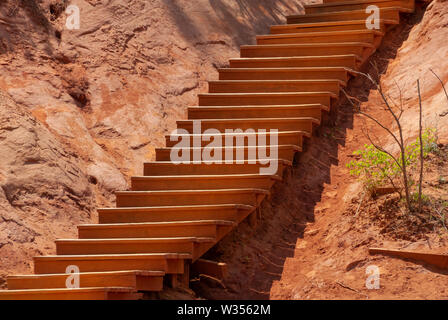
x: 337, y: 1
x: 229, y: 212
x: 304, y: 49
x: 168, y: 168
x: 385, y: 13
x: 252, y: 197
x: 280, y: 124
x: 350, y: 61
x: 187, y: 245
x: 265, y: 86
x: 231, y: 154
x: 138, y: 280
x: 355, y: 1
x: 350, y: 1
x: 243, y: 112
x: 304, y: 73
x: 283, y: 137
x: 276, y: 98
x: 366, y: 36
x: 404, y: 5
x: 203, y: 182
x: 200, y: 228
x: 345, y: 25
x: 72, y: 294
x: 170, y: 263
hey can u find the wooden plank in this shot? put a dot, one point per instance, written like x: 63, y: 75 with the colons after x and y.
x: 211, y: 268
x: 437, y: 260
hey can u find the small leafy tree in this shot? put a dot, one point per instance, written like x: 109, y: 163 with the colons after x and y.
x: 376, y: 168
x: 406, y: 156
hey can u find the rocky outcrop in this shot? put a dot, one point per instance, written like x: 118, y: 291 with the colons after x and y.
x: 44, y: 188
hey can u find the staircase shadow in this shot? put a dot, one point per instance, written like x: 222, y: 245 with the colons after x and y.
x: 254, y: 266
x: 256, y: 257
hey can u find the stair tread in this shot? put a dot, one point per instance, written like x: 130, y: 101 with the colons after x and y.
x: 251, y: 119
x: 314, y: 120
x: 295, y: 147
x: 342, y: 3
x: 328, y: 23
x: 240, y: 190
x: 153, y: 224
x: 175, y: 208
x: 139, y: 240
x: 74, y: 290
x: 327, y: 44
x: 323, y: 14
x: 289, y: 69
x: 284, y: 69
x: 318, y: 33
x: 145, y: 273
x: 116, y: 256
x: 257, y: 94
x: 284, y: 106
x: 298, y: 58
x: 238, y: 133
x: 279, y: 81
x: 227, y: 176
x: 169, y: 163
x: 258, y: 107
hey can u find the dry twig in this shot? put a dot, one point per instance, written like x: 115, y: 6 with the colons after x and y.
x: 421, y: 148
x: 444, y: 89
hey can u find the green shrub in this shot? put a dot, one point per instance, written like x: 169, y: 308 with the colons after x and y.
x: 376, y: 168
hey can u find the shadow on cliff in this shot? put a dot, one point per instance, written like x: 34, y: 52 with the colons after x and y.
x: 257, y: 17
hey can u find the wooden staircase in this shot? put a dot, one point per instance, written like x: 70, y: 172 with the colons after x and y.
x: 174, y: 213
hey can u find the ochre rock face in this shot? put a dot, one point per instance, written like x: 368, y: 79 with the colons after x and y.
x: 45, y: 190
x: 424, y: 48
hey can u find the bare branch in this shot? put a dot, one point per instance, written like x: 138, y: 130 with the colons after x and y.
x: 358, y: 108
x: 376, y: 146
x: 421, y: 148
x: 383, y: 96
x: 401, y: 99
x: 444, y: 89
